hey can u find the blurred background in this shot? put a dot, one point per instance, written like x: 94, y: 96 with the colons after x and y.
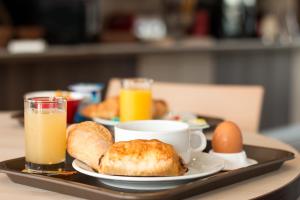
x: 50, y: 44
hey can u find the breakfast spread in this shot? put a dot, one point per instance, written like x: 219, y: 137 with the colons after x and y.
x: 149, y: 148
x: 92, y: 144
x: 227, y: 143
x: 110, y: 109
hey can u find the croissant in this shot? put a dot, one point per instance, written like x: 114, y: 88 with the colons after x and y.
x: 110, y: 108
x: 141, y: 158
x: 107, y: 109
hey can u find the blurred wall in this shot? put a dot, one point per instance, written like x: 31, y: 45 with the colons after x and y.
x: 19, y: 77
x: 131, y: 6
x: 178, y: 67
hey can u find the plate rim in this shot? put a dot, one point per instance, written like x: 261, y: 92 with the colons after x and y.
x: 220, y: 165
x: 106, y: 122
x: 109, y: 122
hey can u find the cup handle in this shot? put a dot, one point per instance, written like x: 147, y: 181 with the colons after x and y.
x: 199, y: 132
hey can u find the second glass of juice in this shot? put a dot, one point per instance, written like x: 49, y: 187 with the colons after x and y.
x: 45, y: 134
x: 136, y: 99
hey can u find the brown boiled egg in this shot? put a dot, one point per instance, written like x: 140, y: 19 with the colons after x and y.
x: 227, y: 138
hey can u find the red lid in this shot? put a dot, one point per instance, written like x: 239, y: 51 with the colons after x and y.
x: 45, y: 102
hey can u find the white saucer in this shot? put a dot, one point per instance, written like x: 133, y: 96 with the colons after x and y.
x: 202, y: 165
x: 234, y: 160
x: 249, y: 162
x: 184, y: 117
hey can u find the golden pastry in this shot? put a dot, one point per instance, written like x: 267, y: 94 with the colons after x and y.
x: 110, y: 108
x: 88, y: 141
x: 107, y: 109
x: 141, y: 158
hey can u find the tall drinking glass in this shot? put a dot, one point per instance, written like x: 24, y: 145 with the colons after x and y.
x: 136, y: 99
x: 45, y: 134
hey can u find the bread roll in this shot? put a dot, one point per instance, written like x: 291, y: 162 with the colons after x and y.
x: 88, y: 141
x: 141, y: 158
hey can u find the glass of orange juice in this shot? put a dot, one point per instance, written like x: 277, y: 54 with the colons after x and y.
x: 136, y: 99
x: 45, y: 134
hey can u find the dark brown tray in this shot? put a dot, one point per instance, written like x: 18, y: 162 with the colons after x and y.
x: 90, y: 188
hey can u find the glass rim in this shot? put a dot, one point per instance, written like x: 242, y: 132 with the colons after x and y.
x: 47, y: 99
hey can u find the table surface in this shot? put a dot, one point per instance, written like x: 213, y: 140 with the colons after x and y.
x: 12, y: 146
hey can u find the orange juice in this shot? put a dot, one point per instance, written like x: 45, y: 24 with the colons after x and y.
x: 45, y: 135
x: 135, y: 104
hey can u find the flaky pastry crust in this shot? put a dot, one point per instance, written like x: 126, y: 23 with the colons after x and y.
x: 142, y: 158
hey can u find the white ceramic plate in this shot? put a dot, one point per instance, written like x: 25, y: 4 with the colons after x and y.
x: 184, y: 117
x: 202, y: 165
x: 106, y: 122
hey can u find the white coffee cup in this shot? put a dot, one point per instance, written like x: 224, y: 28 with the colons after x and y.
x: 175, y: 133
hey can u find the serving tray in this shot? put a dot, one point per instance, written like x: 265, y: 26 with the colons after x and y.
x: 80, y: 185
